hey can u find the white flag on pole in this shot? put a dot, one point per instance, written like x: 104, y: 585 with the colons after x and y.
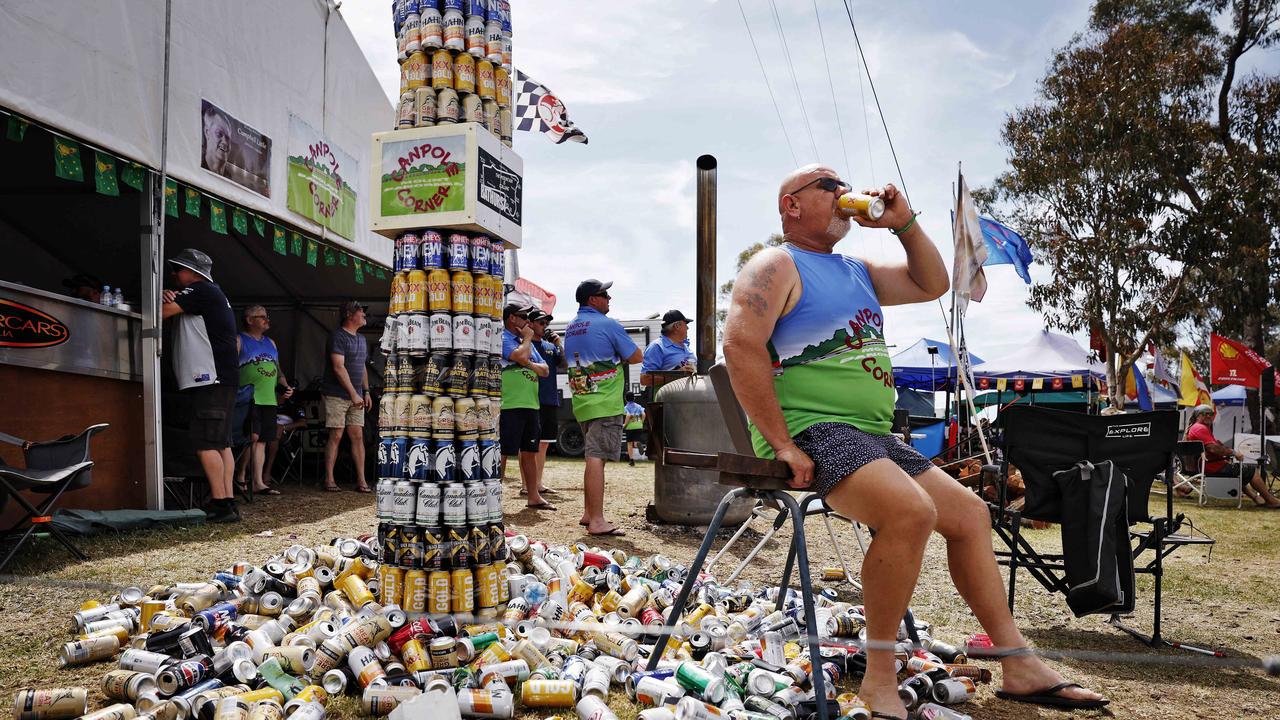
x: 967, y: 278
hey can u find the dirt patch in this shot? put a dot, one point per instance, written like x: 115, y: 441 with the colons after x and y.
x: 1230, y: 600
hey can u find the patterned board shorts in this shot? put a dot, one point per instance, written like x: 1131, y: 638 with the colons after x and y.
x: 838, y: 450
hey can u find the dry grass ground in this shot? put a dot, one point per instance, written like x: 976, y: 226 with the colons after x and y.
x: 1229, y: 601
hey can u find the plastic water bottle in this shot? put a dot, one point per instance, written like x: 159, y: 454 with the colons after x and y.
x: 535, y: 593
x: 105, y: 297
x: 117, y: 298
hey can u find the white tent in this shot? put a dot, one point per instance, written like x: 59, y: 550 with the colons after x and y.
x: 1045, y: 355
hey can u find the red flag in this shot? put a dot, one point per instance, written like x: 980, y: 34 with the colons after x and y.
x: 545, y: 300
x: 984, y: 384
x: 1057, y: 383
x: 1233, y: 363
x: 1096, y: 341
x: 1019, y: 385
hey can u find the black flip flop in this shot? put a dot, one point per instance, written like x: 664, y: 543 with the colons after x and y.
x: 881, y: 715
x: 544, y: 505
x: 1049, y: 697
x: 267, y: 491
x: 614, y: 532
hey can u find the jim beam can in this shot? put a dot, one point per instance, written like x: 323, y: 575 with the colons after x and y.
x: 447, y: 110
x: 406, y: 111
x: 81, y: 652
x: 50, y: 704
x: 424, y: 100
x: 440, y: 335
x: 464, y: 333
x: 416, y: 334
x: 442, y: 70
x: 472, y: 109
x: 484, y: 334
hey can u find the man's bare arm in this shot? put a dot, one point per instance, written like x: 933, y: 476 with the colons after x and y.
x: 921, y: 279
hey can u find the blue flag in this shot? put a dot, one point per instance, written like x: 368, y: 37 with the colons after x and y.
x: 1006, y: 247
x: 1135, y: 388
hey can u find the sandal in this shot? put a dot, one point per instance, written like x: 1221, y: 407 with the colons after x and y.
x: 1049, y: 697
x: 332, y: 488
x: 267, y: 491
x: 544, y: 505
x: 613, y: 532
x: 363, y: 489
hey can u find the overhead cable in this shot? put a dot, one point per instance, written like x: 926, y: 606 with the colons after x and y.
x: 858, y: 42
x: 848, y: 167
x: 785, y: 135
x: 786, y: 52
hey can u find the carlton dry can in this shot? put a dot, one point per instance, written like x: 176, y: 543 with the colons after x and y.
x: 406, y: 111
x: 424, y: 101
x: 50, y: 704
x: 441, y: 71
x: 447, y: 109
x: 865, y: 206
x: 432, y: 252
x: 472, y: 109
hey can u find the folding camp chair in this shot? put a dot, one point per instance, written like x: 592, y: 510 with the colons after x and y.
x: 1189, y: 473
x: 1044, y: 443
x: 1215, y: 486
x: 53, y: 468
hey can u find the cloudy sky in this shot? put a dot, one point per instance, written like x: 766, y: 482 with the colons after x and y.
x: 656, y: 84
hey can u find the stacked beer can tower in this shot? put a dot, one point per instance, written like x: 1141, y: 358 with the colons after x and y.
x: 455, y: 64
x: 442, y: 547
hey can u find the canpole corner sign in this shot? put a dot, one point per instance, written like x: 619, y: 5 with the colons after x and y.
x: 22, y: 326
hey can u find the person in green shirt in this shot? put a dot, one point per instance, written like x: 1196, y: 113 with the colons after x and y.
x: 259, y: 367
x: 633, y: 426
x: 518, y: 430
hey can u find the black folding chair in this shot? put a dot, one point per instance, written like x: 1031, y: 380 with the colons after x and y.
x: 52, y: 468
x: 1041, y: 442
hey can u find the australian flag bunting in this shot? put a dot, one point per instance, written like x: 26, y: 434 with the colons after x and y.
x: 539, y: 110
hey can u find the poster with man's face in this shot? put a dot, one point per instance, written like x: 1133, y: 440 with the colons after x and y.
x: 234, y: 150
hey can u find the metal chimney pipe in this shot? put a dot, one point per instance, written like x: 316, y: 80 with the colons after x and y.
x: 705, y: 311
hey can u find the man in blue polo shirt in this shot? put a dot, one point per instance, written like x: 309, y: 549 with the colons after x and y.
x: 669, y: 353
x: 596, y: 347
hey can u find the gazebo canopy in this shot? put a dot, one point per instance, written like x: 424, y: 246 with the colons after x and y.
x: 916, y: 368
x: 1045, y: 355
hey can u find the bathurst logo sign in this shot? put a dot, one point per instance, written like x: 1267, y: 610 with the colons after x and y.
x: 22, y: 326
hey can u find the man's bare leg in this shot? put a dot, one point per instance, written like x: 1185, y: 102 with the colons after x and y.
x: 211, y: 462
x: 331, y: 455
x: 593, y: 496
x: 355, y: 433
x: 530, y: 476
x: 880, y: 495
x: 965, y: 522
x: 542, y: 461
x: 1261, y: 494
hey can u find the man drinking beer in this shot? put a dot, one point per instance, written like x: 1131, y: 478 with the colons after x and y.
x: 825, y: 408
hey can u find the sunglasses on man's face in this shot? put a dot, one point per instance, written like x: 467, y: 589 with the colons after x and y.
x: 828, y: 184
x: 604, y: 295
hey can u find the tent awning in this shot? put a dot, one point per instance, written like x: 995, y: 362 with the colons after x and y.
x: 1045, y: 355
x: 1229, y: 395
x: 918, y: 369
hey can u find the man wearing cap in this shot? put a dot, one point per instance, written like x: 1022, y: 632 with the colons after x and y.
x: 596, y: 347
x: 669, y: 353
x: 345, y: 388
x: 212, y: 403
x: 522, y: 365
x: 549, y: 399
x: 1222, y: 461
x: 85, y: 287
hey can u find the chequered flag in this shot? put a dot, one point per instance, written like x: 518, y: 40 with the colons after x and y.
x: 539, y: 110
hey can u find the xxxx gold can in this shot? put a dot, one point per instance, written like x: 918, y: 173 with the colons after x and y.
x: 415, y: 656
x: 438, y: 290
x: 390, y: 584
x: 487, y: 581
x: 486, y: 84
x: 438, y: 587
x: 415, y: 71
x: 866, y: 206
x: 547, y: 693
x: 415, y: 291
x: 502, y: 86
x: 464, y: 73
x: 415, y: 591
x: 462, y: 598
x: 462, y: 292
x: 442, y: 70
x: 399, y: 286
x: 51, y: 704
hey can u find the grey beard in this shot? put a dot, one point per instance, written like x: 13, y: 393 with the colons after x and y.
x: 839, y: 227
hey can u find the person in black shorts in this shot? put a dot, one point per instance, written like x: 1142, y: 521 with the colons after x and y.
x: 551, y: 346
x: 522, y: 365
x: 212, y: 404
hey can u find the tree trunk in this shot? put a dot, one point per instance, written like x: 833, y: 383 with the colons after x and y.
x: 1115, y: 393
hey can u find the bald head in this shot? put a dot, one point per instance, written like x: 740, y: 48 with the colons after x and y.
x: 801, y: 176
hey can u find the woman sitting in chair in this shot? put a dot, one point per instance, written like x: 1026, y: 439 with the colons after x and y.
x: 1220, y: 460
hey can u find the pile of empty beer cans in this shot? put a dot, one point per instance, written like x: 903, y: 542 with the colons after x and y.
x: 570, y: 628
x: 455, y: 63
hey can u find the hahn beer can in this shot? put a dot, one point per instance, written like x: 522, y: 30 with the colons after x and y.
x: 441, y: 71
x: 432, y: 245
x: 447, y: 110
x: 455, y: 30
x: 430, y: 30
x: 443, y: 463
x: 424, y: 100
x: 410, y: 36
x: 476, y: 37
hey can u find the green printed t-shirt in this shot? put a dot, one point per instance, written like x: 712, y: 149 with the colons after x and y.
x: 830, y: 362
x: 596, y: 346
x: 519, y: 384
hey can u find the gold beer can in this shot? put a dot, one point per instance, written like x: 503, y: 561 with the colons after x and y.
x: 472, y: 109
x: 415, y: 295
x: 866, y: 206
x: 356, y: 589
x: 464, y: 73
x: 487, y: 581
x: 438, y: 295
x: 462, y: 292
x: 51, y: 704
x: 438, y: 592
x: 415, y: 656
x: 149, y: 610
x: 398, y: 283
x: 502, y: 86
x: 486, y: 84
x: 415, y: 591
x: 462, y: 593
x: 415, y: 70
x: 424, y: 100
x: 442, y: 70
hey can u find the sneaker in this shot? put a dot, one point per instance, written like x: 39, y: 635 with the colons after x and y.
x: 222, y: 511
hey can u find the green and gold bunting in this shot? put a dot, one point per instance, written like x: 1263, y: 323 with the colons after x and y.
x: 278, y: 240
x: 313, y: 249
x: 295, y: 244
x: 192, y: 201
x: 329, y: 256
x: 17, y: 128
x: 171, y: 198
x: 380, y: 273
x: 132, y: 174
x: 359, y: 272
x: 240, y: 220
x: 217, y: 216
x: 104, y: 174
x: 342, y: 259
x: 259, y: 226
x: 66, y: 159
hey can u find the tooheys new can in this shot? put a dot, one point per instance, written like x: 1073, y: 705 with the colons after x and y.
x: 480, y: 254
x: 454, y: 504
x: 418, y: 464
x: 407, y: 244
x: 472, y: 109
x: 432, y: 254
x: 443, y: 462
x: 433, y: 373
x: 440, y: 338
x: 51, y: 704
x: 424, y: 101
x: 404, y: 411
x: 414, y: 593
x: 464, y: 73
x: 468, y: 463
x: 455, y: 384
x: 441, y: 71
x: 457, y: 251
x: 442, y: 422
x: 415, y: 70
x: 497, y: 250
x: 415, y: 291
x: 486, y: 85
x: 438, y: 292
x: 492, y: 117
x: 428, y: 504
x: 430, y: 32
x: 502, y: 87
x: 406, y: 111
x: 464, y: 333
x: 447, y: 109
x: 462, y: 597
x: 420, y: 417
x: 466, y: 423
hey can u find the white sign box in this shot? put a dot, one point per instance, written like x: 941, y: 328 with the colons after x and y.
x: 452, y: 176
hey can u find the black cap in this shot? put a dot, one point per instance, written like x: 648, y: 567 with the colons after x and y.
x: 672, y: 317
x: 195, y: 261
x: 515, y: 309
x: 349, y: 308
x: 590, y: 287
x: 539, y: 315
